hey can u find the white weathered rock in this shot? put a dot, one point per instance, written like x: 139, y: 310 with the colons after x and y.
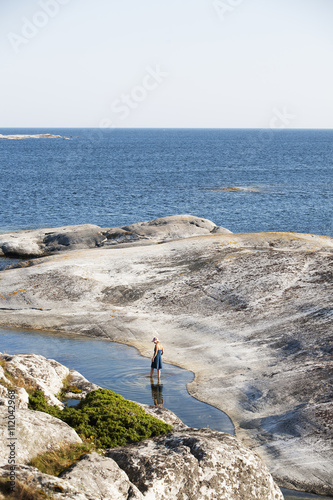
x: 92, y: 478
x: 81, y: 383
x: 196, y: 463
x: 22, y: 247
x: 174, y: 227
x: 35, y: 432
x: 101, y: 477
x: 3, y: 376
x: 41, y: 373
x: 192, y: 463
x: 41, y: 242
x: 46, y: 374
x: 22, y: 398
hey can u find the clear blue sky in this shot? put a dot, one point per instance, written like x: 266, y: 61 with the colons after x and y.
x: 158, y: 63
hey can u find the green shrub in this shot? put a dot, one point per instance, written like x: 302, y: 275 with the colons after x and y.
x: 38, y: 402
x: 106, y: 418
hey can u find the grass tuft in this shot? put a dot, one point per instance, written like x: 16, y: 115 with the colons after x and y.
x: 54, y: 462
x: 22, y: 491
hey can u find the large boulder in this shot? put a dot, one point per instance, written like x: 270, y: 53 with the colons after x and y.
x: 93, y: 477
x: 39, y: 242
x: 101, y: 477
x: 196, y: 463
x: 171, y: 228
x: 36, y: 371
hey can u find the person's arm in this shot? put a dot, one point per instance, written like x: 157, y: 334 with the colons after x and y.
x: 155, y: 352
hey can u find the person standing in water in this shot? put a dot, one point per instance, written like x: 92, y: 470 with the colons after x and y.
x: 156, y: 361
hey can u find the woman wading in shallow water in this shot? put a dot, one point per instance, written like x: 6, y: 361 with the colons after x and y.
x: 156, y: 360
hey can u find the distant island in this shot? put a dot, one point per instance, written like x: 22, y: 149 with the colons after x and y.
x: 18, y: 137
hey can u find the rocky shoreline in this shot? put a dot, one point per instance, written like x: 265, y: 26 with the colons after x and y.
x: 186, y: 461
x: 249, y: 314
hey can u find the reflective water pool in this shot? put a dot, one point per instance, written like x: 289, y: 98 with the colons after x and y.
x: 122, y: 369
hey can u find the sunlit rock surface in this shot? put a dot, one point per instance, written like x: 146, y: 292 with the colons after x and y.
x: 250, y: 314
x: 40, y: 242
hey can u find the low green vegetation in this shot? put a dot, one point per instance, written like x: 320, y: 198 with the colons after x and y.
x: 105, y: 418
x: 38, y: 402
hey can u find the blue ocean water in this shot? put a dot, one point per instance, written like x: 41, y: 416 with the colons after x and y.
x: 117, y: 177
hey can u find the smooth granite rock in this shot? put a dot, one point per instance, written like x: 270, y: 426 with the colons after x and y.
x: 170, y: 228
x: 41, y: 242
x: 249, y: 314
x: 46, y: 375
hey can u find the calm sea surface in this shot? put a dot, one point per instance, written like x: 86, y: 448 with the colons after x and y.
x: 117, y: 177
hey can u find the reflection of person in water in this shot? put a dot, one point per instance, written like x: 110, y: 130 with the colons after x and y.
x: 156, y: 360
x: 157, y: 394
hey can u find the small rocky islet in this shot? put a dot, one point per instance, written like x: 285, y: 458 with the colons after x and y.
x: 250, y: 314
x: 20, y: 137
